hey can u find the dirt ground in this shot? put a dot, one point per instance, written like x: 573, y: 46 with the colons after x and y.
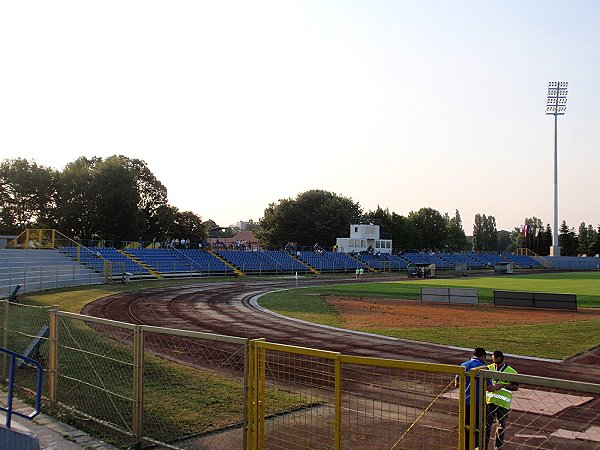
x: 393, y: 313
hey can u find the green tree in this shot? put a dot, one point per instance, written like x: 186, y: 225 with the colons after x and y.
x: 586, y: 235
x: 504, y: 241
x: 114, y: 198
x: 28, y: 195
x: 77, y: 203
x: 431, y: 229
x: 595, y: 247
x: 403, y: 233
x: 485, y: 233
x: 457, y: 239
x: 591, y: 238
x: 548, y: 238
x: 567, y: 240
x: 117, y: 197
x: 313, y: 216
x: 531, y: 235
x: 191, y: 227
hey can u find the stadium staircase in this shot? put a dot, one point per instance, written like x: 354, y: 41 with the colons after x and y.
x: 237, y: 271
x: 149, y: 268
x: 311, y: 268
x: 369, y: 266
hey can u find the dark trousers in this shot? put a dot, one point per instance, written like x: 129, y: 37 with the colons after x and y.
x: 495, y: 412
x: 468, y: 423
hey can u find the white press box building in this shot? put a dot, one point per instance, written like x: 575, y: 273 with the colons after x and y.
x: 363, y: 236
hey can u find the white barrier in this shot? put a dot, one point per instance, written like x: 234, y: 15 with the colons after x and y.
x: 456, y: 296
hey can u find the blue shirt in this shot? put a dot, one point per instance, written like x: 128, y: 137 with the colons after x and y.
x: 471, y: 364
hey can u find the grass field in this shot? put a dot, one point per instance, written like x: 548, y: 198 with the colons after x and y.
x: 554, y: 339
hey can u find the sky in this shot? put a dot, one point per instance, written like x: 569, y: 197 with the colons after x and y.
x: 234, y: 105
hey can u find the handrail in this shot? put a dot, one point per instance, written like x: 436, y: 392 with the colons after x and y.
x: 56, y: 235
x: 11, y: 381
x: 525, y: 251
x: 183, y: 255
x: 268, y: 259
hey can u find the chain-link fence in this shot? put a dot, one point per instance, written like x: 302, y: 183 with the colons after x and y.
x: 308, y: 398
x: 180, y: 389
x: 545, y: 413
x: 186, y: 390
x: 24, y: 330
x: 194, y: 389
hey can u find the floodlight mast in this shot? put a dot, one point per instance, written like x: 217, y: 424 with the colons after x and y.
x: 556, y: 105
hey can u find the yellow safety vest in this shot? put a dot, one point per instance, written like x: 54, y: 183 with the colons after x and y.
x: 502, y: 397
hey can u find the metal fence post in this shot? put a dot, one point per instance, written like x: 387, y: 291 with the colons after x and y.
x: 53, y: 356
x: 462, y: 387
x: 261, y: 355
x: 472, y: 407
x: 256, y: 396
x: 5, y: 336
x: 138, y: 385
x: 338, y: 403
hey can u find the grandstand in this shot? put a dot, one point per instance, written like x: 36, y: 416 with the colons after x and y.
x: 59, y: 261
x: 571, y: 263
x: 332, y: 262
x: 37, y: 270
x: 523, y: 261
x: 427, y: 258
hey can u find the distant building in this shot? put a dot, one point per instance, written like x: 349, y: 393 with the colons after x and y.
x: 243, y: 226
x: 364, y: 237
x: 243, y: 240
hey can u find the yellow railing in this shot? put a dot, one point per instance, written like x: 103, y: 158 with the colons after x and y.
x: 353, y: 402
x: 525, y: 251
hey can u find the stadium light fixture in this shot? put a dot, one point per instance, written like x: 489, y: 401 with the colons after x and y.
x: 556, y: 105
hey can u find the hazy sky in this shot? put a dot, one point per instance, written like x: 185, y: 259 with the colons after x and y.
x: 237, y: 104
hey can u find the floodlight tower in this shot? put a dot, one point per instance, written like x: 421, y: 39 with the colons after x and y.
x: 556, y: 106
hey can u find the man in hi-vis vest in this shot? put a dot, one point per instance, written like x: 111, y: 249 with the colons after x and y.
x: 498, y: 400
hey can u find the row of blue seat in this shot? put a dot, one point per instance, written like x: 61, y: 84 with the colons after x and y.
x: 170, y: 260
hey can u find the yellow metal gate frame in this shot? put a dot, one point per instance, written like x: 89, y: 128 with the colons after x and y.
x: 257, y: 375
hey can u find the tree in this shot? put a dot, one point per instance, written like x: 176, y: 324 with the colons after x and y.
x: 595, y: 247
x: 313, y: 216
x: 431, y: 229
x: 28, y: 195
x: 548, y: 238
x: 117, y: 197
x: 587, y: 236
x: 403, y: 233
x: 457, y: 239
x: 76, y: 206
x: 485, y: 233
x: 114, y: 198
x: 567, y: 240
x: 592, y: 236
x: 531, y: 235
x: 504, y: 241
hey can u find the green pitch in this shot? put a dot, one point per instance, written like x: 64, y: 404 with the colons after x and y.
x: 585, y: 284
x: 568, y: 338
